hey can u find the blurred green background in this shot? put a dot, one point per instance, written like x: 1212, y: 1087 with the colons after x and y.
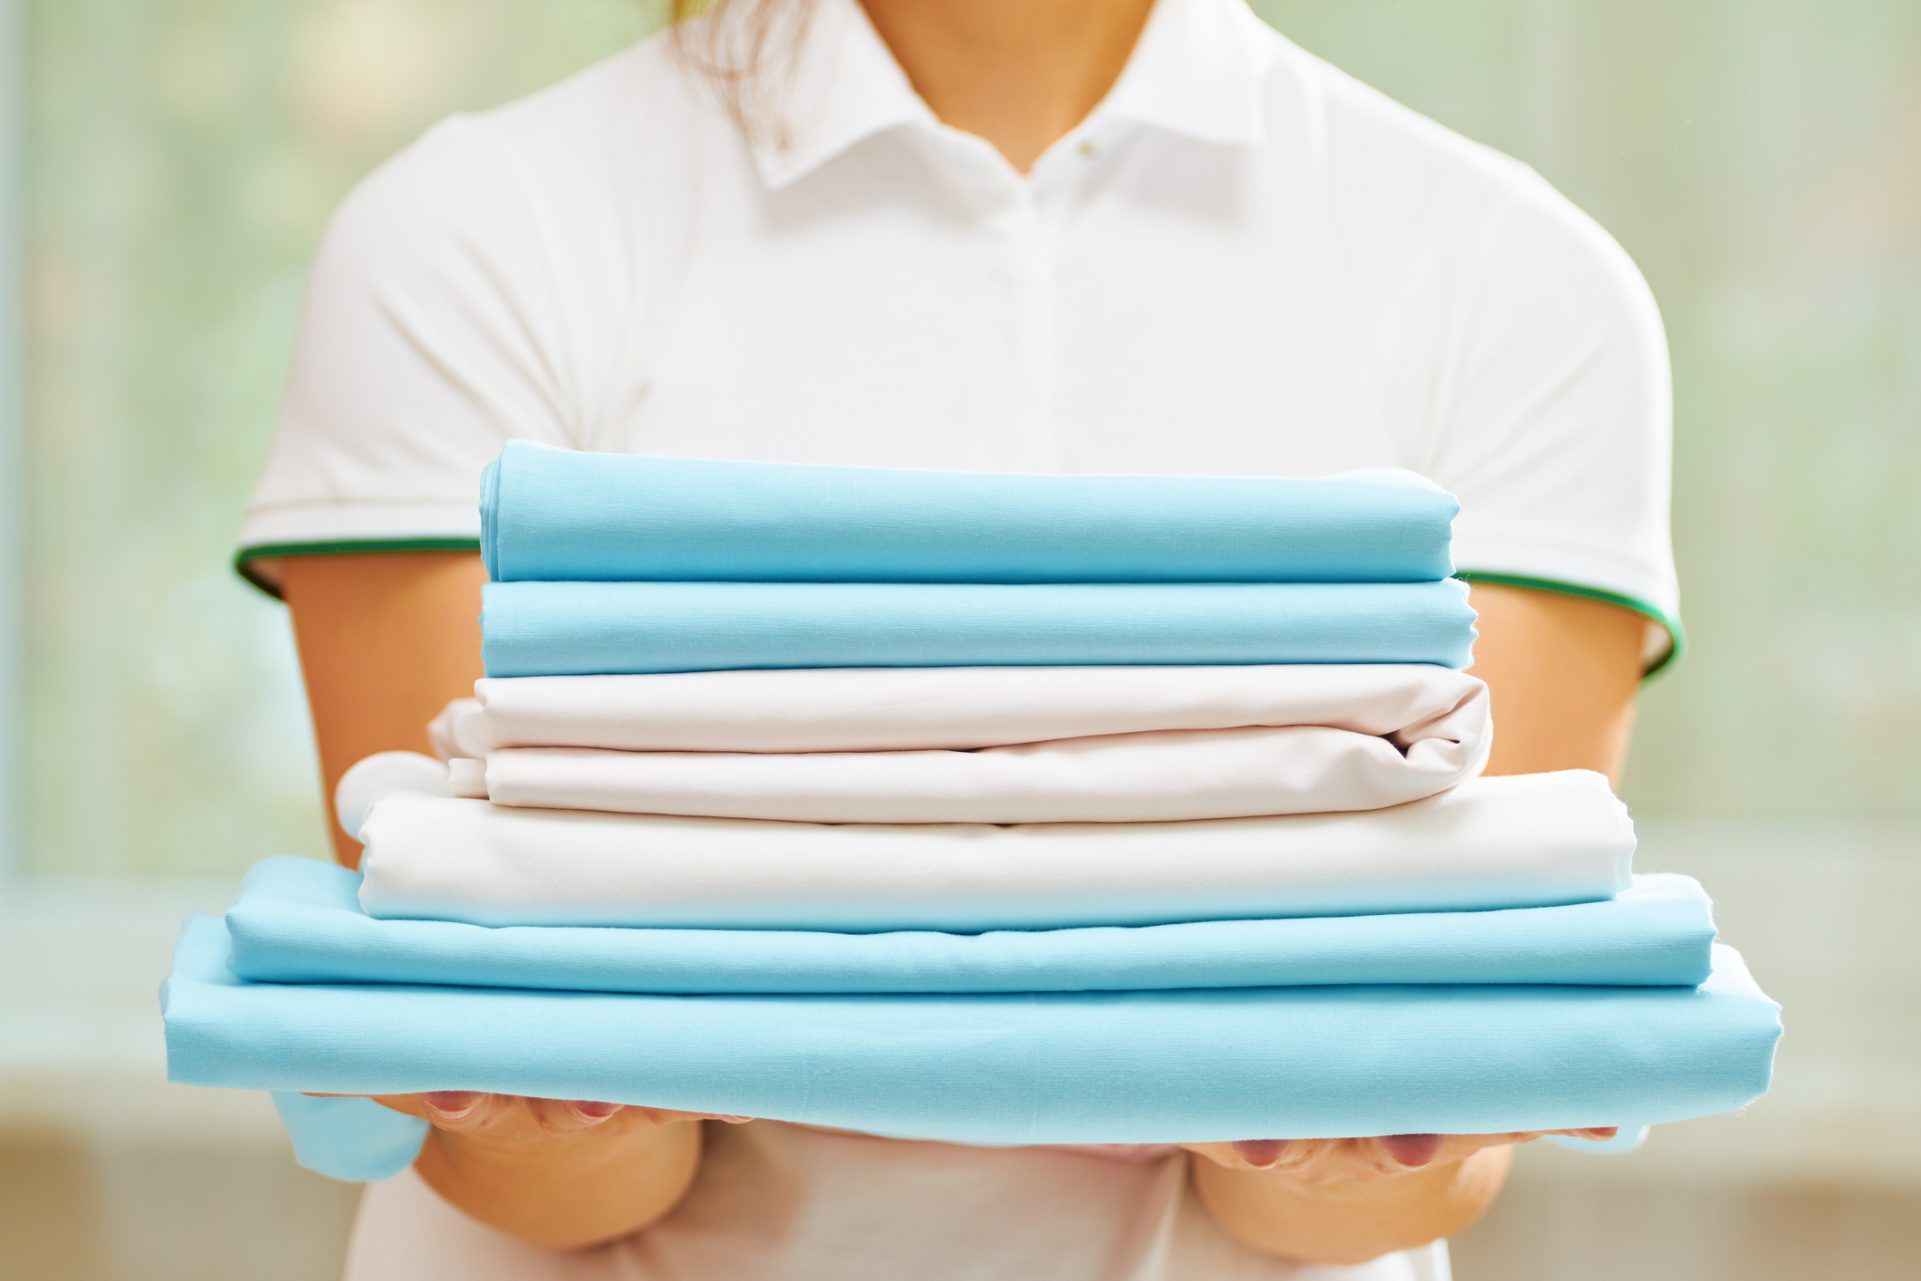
x: 1761, y: 160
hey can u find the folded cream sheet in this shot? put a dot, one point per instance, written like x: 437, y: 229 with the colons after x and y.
x: 972, y: 745
x: 1519, y: 841
x: 875, y: 709
x: 1154, y: 776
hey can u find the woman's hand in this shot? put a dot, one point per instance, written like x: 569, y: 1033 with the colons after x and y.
x: 1383, y: 1157
x: 565, y: 1174
x: 561, y: 1173
x: 511, y: 1121
x: 1345, y: 1201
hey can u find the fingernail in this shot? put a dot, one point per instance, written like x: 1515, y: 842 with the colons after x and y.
x: 1602, y: 1132
x: 453, y: 1104
x: 1412, y: 1150
x: 594, y: 1112
x: 1260, y: 1153
x: 734, y: 1120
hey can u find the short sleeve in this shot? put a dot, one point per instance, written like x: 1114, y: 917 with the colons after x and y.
x: 427, y: 338
x: 1554, y: 416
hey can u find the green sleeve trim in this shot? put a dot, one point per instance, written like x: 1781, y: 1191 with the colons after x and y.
x: 243, y: 561
x: 1677, y: 635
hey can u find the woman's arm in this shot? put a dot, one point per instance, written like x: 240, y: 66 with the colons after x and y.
x: 385, y: 642
x: 1563, y: 673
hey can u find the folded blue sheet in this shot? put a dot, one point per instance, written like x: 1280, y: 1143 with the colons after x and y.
x: 581, y: 629
x: 299, y: 921
x: 1108, y: 1067
x: 549, y: 513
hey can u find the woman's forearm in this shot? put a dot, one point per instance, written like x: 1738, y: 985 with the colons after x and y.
x: 565, y: 1192
x: 385, y: 641
x: 1563, y: 673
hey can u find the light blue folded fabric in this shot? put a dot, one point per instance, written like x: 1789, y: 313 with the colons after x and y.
x: 1110, y: 1067
x: 549, y: 513
x: 299, y: 921
x: 354, y: 1140
x: 581, y: 629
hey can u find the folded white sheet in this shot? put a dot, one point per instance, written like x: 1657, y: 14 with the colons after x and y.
x: 973, y: 745
x: 870, y: 709
x: 1152, y: 776
x: 1520, y: 841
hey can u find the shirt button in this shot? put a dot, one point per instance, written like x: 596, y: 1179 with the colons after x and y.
x: 1088, y: 149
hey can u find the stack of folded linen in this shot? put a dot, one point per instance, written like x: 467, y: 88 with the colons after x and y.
x: 1000, y: 809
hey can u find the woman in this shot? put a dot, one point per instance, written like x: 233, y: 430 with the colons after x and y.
x: 1048, y: 235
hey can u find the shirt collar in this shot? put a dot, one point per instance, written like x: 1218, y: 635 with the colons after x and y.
x: 1198, y: 70
x: 837, y: 86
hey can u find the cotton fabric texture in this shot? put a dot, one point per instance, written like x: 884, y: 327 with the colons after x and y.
x: 549, y: 513
x: 1417, y: 707
x: 1521, y: 841
x: 1111, y: 1067
x: 299, y: 921
x: 1123, y: 778
x: 991, y: 745
x: 577, y: 629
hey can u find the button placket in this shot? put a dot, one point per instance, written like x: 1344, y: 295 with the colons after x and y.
x: 1032, y: 332
x: 1020, y: 219
x: 1053, y: 192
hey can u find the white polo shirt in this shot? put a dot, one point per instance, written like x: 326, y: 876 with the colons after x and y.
x: 1242, y: 262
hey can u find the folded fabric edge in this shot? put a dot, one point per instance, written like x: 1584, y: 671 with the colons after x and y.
x: 490, y: 513
x: 273, y: 937
x: 314, y: 873
x: 197, y: 967
x: 351, y: 1139
x: 466, y: 726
